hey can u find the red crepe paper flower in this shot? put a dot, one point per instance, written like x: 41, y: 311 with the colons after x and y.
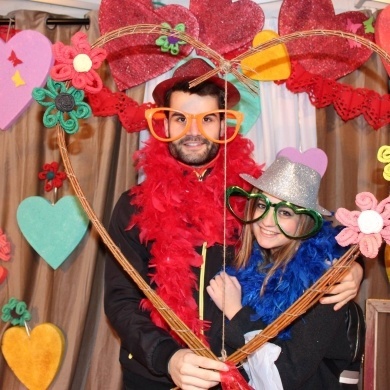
x: 53, y: 177
x: 5, y: 247
x: 77, y: 63
x: 368, y: 227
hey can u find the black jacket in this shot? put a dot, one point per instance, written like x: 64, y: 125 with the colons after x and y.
x: 317, y: 349
x: 146, y: 348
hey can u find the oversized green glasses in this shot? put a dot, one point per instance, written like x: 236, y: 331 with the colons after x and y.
x: 284, y: 211
x: 167, y: 124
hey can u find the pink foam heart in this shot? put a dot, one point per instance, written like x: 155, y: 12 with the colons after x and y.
x: 382, y: 34
x: 314, y: 158
x: 135, y: 59
x: 227, y: 25
x: 25, y: 62
x: 332, y: 57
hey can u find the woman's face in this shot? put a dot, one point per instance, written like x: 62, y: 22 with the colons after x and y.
x: 266, y: 231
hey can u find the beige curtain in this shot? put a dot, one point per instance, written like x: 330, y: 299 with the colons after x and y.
x: 353, y: 168
x: 70, y: 297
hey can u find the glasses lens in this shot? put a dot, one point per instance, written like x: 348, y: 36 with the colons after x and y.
x: 156, y: 121
x: 309, y: 221
x: 211, y: 125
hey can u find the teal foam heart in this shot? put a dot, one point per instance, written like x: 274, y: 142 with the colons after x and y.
x: 53, y: 231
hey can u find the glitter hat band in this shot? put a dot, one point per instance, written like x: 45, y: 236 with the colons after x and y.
x: 294, y: 177
x: 191, y: 70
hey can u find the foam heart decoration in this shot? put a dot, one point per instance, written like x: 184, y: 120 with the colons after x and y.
x: 271, y: 64
x: 34, y: 359
x: 53, y: 231
x: 332, y: 57
x: 314, y: 158
x: 135, y: 59
x: 227, y: 25
x: 382, y: 34
x: 25, y: 62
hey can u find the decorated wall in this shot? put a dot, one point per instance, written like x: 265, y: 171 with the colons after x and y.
x: 73, y: 97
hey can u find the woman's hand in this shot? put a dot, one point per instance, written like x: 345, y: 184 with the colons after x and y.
x: 225, y: 291
x: 192, y: 372
x: 347, y: 289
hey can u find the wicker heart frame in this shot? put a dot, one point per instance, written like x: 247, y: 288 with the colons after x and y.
x: 314, y: 293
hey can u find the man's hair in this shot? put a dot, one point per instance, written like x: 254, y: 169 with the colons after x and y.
x: 206, y: 88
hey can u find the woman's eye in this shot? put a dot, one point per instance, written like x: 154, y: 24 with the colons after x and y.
x: 285, y: 213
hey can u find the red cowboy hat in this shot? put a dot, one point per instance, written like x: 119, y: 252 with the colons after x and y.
x: 189, y: 71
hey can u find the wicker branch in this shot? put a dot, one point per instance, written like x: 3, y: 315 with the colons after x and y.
x: 313, y: 294
x: 176, y: 324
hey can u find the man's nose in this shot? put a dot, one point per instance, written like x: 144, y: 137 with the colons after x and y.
x: 193, y: 130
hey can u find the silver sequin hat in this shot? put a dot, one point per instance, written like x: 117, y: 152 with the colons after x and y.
x: 294, y: 177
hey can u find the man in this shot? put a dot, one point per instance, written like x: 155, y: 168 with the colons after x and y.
x: 172, y: 229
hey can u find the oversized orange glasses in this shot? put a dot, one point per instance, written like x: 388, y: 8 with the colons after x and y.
x: 167, y: 124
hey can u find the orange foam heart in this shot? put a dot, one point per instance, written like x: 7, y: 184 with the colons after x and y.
x: 34, y: 359
x: 270, y: 64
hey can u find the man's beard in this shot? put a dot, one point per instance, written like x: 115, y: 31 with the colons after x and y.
x: 195, y: 159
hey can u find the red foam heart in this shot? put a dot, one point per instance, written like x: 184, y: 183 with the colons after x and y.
x: 227, y: 26
x: 135, y: 59
x: 382, y: 34
x: 330, y: 56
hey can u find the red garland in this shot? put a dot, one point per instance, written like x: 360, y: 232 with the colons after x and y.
x: 233, y: 380
x: 130, y: 113
x: 348, y: 102
x: 179, y: 213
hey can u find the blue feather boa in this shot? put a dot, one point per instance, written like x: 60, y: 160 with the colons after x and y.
x: 312, y: 259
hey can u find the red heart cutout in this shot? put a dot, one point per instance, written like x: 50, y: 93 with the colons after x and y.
x: 382, y: 34
x: 135, y: 59
x: 226, y: 26
x: 330, y: 56
x: 378, y: 112
x: 349, y: 102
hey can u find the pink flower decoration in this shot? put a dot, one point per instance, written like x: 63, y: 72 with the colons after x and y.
x: 77, y: 63
x: 5, y: 247
x: 368, y: 227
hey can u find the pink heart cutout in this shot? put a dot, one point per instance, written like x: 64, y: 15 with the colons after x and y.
x: 314, y: 158
x: 227, y: 26
x: 135, y: 59
x: 329, y: 56
x: 382, y: 34
x: 25, y: 62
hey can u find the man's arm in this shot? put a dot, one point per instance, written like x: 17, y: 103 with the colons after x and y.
x: 148, y: 344
x: 347, y: 289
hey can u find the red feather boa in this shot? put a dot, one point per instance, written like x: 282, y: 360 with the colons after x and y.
x: 178, y: 213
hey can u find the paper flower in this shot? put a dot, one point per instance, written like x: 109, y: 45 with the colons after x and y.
x: 5, y: 247
x: 64, y: 106
x: 53, y: 177
x: 368, y: 227
x: 171, y: 42
x: 383, y: 155
x: 77, y: 63
x: 14, y: 306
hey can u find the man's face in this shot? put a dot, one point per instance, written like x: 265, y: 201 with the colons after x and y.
x: 193, y: 148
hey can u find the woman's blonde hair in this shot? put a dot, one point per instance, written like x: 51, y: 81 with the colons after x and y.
x: 280, y: 256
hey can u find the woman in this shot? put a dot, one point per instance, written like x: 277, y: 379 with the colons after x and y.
x: 286, y: 246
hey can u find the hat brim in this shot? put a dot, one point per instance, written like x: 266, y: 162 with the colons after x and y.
x: 232, y: 98
x: 255, y: 183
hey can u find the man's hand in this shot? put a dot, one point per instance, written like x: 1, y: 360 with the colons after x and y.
x: 347, y: 289
x: 192, y: 372
x: 225, y: 291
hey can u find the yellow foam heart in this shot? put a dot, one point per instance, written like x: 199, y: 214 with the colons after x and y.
x: 270, y: 64
x: 34, y: 359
